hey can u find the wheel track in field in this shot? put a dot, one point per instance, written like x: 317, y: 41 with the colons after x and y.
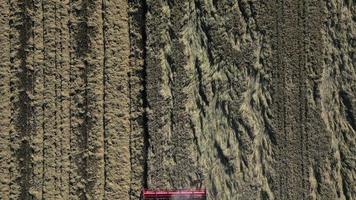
x: 26, y: 129
x: 290, y: 100
x: 298, y: 69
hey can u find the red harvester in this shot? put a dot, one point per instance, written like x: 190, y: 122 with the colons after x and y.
x: 173, y: 194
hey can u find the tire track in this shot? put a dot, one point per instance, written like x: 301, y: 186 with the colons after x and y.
x: 299, y: 69
x: 290, y: 101
x: 116, y: 86
x: 138, y: 101
x: 78, y: 175
x: 5, y: 106
x: 279, y: 98
x: 87, y: 176
x: 26, y: 86
x: 293, y: 101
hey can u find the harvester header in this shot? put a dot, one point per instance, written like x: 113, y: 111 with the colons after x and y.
x: 173, y: 194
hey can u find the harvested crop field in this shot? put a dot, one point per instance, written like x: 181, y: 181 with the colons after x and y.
x: 100, y: 99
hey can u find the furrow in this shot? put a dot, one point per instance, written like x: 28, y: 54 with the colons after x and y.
x: 116, y: 86
x: 78, y: 147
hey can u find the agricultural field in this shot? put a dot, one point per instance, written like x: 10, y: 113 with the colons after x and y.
x: 101, y: 98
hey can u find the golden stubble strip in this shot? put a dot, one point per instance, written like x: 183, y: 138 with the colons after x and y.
x: 5, y: 108
x: 15, y: 187
x: 87, y: 141
x: 26, y: 86
x: 116, y: 100
x: 63, y: 72
x: 51, y: 146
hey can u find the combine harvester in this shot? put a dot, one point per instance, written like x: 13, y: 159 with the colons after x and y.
x: 173, y: 194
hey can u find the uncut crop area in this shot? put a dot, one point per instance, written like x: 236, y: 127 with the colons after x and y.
x: 102, y: 98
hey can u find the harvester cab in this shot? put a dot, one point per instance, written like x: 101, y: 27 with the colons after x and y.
x: 173, y: 194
